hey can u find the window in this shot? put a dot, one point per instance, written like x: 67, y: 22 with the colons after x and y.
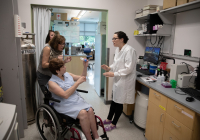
x: 88, y: 41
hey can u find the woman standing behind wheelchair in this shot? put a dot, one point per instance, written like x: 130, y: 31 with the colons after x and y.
x: 63, y: 88
x: 51, y: 50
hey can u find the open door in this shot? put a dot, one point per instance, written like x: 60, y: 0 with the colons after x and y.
x: 100, y: 54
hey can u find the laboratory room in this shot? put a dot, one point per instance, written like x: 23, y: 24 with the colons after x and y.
x: 100, y: 70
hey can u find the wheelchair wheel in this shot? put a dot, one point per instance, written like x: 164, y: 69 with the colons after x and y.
x: 47, y: 123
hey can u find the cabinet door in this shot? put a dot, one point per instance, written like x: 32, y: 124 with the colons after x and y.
x: 155, y: 122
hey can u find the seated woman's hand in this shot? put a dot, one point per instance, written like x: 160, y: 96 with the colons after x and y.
x: 105, y: 67
x: 81, y: 79
x: 67, y: 59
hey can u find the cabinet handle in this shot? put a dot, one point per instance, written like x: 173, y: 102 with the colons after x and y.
x: 170, y: 138
x: 156, y: 95
x: 178, y: 107
x: 161, y: 117
x: 175, y: 124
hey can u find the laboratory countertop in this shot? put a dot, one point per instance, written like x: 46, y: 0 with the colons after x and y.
x: 170, y: 92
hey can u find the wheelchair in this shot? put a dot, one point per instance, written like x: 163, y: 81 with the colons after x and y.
x: 55, y: 126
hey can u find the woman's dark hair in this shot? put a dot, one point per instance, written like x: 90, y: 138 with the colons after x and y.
x: 48, y: 36
x: 58, y: 39
x: 121, y: 34
x: 55, y: 64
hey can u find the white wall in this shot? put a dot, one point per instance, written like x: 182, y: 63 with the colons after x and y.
x: 155, y: 2
x: 120, y: 17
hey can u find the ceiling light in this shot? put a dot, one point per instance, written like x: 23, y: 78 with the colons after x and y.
x: 81, y: 13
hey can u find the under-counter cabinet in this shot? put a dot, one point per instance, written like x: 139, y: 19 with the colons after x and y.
x: 156, y: 115
x: 169, y: 120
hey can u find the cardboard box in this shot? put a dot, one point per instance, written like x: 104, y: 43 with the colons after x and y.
x: 180, y: 2
x: 74, y: 19
x: 169, y: 3
x: 59, y: 16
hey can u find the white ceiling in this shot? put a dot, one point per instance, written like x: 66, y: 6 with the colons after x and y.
x: 89, y: 16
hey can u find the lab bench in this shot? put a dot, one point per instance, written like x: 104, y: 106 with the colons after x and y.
x: 169, y: 115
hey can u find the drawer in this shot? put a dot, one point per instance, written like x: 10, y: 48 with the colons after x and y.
x: 181, y: 113
x: 177, y: 129
x: 158, y: 99
x: 168, y: 136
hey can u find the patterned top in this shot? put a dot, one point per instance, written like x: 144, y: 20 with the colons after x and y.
x: 74, y: 104
x: 53, y: 54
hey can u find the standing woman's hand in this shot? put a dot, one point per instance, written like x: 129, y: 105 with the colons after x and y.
x: 108, y: 74
x: 67, y: 59
x: 60, y: 57
x: 105, y: 67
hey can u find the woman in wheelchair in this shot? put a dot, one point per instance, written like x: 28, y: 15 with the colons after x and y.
x: 63, y: 88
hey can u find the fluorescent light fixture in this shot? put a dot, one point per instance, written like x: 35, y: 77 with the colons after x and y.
x: 81, y: 13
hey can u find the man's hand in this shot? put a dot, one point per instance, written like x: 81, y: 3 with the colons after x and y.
x: 108, y: 74
x: 105, y: 67
x: 81, y: 79
x: 67, y: 59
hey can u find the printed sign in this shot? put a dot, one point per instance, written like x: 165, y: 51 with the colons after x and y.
x: 58, y: 16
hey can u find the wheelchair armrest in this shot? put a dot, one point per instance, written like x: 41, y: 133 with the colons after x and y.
x: 79, y: 90
x: 52, y: 99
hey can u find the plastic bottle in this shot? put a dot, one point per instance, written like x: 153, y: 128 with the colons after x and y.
x: 162, y: 78
x: 84, y: 59
x: 158, y: 80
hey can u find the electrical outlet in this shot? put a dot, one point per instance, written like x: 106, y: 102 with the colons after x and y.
x: 187, y: 52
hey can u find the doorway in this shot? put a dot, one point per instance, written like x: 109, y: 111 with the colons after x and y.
x: 90, y: 24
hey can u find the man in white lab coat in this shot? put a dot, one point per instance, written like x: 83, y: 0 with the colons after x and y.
x: 123, y: 70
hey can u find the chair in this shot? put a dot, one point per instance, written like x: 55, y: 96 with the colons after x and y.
x: 87, y: 51
x: 54, y: 126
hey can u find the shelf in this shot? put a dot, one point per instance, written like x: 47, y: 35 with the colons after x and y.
x: 184, y: 7
x: 188, y: 58
x: 152, y: 35
x: 144, y: 17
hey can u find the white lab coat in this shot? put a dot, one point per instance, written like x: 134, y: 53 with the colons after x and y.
x: 124, y: 68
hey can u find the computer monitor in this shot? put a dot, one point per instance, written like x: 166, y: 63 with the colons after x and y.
x: 152, y: 54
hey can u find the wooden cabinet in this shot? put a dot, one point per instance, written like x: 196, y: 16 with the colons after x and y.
x: 181, y: 113
x: 169, y: 120
x: 155, y: 122
x: 128, y: 109
x: 177, y: 129
x: 168, y: 136
x: 75, y: 66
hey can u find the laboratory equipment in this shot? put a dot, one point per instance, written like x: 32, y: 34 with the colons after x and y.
x: 29, y: 75
x: 177, y: 69
x: 186, y: 80
x: 140, y: 113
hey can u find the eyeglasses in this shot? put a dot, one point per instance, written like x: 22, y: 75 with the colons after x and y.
x: 114, y: 38
x: 62, y: 44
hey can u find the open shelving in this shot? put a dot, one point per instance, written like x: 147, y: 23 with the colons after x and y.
x: 182, y: 8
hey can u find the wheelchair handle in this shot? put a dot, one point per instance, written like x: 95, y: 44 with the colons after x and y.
x: 79, y: 90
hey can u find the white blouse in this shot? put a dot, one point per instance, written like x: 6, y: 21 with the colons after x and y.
x: 124, y: 68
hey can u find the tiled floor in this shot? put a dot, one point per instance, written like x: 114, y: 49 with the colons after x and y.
x: 124, y: 131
